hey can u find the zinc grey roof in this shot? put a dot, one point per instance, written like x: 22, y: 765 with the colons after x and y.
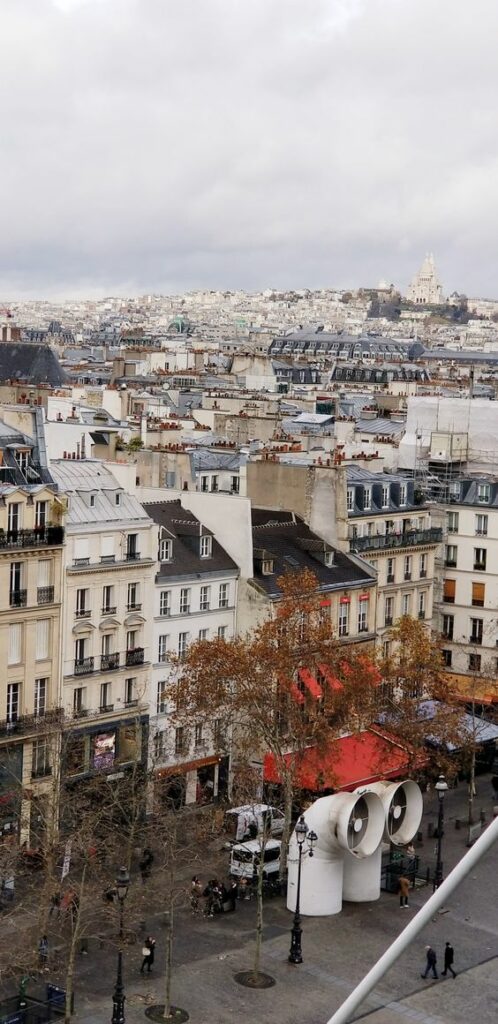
x: 36, y: 364
x: 80, y: 478
x: 209, y: 458
x: 381, y: 425
x: 186, y: 529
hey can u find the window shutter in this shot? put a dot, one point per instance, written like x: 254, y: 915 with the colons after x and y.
x: 449, y: 590
x: 42, y: 637
x: 478, y: 593
x: 44, y: 567
x: 15, y: 643
x: 107, y: 545
x: 81, y: 547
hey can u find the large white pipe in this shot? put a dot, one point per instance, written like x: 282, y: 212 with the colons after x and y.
x: 403, y: 807
x: 414, y: 927
x: 343, y: 822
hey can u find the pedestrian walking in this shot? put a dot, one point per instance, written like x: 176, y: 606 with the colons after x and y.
x: 232, y: 894
x: 403, y: 890
x: 43, y: 952
x: 55, y: 904
x: 148, y: 954
x: 449, y: 956
x: 145, y: 863
x: 431, y: 961
x: 195, y: 893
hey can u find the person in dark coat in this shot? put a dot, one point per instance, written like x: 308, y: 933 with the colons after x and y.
x: 145, y: 863
x: 148, y: 957
x: 431, y: 963
x: 449, y: 956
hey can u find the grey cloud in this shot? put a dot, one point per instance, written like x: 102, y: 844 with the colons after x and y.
x: 168, y: 144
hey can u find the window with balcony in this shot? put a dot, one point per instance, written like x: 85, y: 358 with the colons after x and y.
x: 41, y: 514
x: 18, y: 592
x: 449, y: 591
x: 108, y: 605
x: 483, y: 492
x: 343, y: 622
x: 204, y: 483
x: 422, y: 566
x: 82, y: 662
x: 206, y: 546
x: 165, y: 603
x: 14, y: 518
x: 40, y: 759
x: 185, y: 601
x: 481, y: 525
x: 163, y: 646
x: 422, y: 604
x: 79, y: 700
x: 165, y: 549
x: 133, y: 597
x: 388, y: 611
x: 475, y: 661
x: 40, y: 696
x: 447, y: 656
x: 476, y: 630
x: 45, y: 589
x: 183, y: 639
x: 407, y: 567
x: 223, y: 595
x: 451, y: 556
x: 478, y: 591
x: 107, y: 548
x: 13, y: 702
x: 390, y: 570
x: 480, y: 559
x: 363, y: 617
x: 82, y: 603
x: 132, y: 552
x: 161, y: 701
x: 452, y: 522
x: 205, y: 599
x: 448, y: 626
x: 14, y: 655
x: 234, y: 484
x: 106, y: 697
x: 350, y: 499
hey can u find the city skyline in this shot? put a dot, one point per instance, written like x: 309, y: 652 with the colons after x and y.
x: 162, y: 147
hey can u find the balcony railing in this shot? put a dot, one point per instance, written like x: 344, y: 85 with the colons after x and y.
x: 385, y: 541
x: 132, y: 556
x: 31, y: 723
x: 108, y: 611
x: 390, y: 577
x: 135, y: 656
x: 44, y: 536
x: 83, y: 666
x: 83, y: 613
x: 18, y: 598
x: 106, y: 708
x: 109, y: 661
x: 135, y: 606
x: 45, y: 595
x: 475, y: 638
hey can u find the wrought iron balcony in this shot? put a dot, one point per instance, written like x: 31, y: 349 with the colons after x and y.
x: 132, y: 556
x: 83, y: 613
x: 45, y: 595
x: 83, y: 666
x: 18, y: 598
x: 386, y: 541
x: 43, y: 536
x: 109, y: 661
x: 135, y: 656
x: 109, y: 611
x: 25, y: 724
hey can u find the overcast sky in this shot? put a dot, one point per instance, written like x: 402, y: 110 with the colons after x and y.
x: 160, y: 145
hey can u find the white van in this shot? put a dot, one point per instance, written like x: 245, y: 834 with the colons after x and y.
x: 245, y: 859
x: 251, y: 820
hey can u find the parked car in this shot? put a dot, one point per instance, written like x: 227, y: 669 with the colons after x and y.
x: 245, y: 858
x: 251, y: 820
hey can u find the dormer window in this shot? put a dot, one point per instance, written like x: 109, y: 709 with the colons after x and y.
x: 385, y: 496
x: 165, y: 550
x: 350, y: 499
x: 483, y: 492
x: 92, y: 501
x: 328, y: 558
x: 22, y: 459
x: 367, y: 498
x: 206, y: 546
x: 267, y: 567
x: 402, y: 494
x: 117, y: 498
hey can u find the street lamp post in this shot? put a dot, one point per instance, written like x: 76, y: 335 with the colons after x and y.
x: 118, y: 999
x: 302, y: 834
x: 441, y: 788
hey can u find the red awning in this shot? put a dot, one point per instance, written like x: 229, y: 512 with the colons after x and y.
x: 330, y: 678
x: 310, y: 682
x: 296, y: 693
x: 347, y: 763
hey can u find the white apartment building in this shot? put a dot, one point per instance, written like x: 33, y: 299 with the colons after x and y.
x: 392, y: 530
x: 468, y: 598
x: 195, y: 598
x: 107, y: 632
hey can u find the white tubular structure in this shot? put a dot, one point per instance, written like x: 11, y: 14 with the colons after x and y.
x: 403, y: 806
x: 343, y: 822
x: 414, y: 927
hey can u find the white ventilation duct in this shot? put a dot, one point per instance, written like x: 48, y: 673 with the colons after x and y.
x: 348, y: 824
x: 402, y: 808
